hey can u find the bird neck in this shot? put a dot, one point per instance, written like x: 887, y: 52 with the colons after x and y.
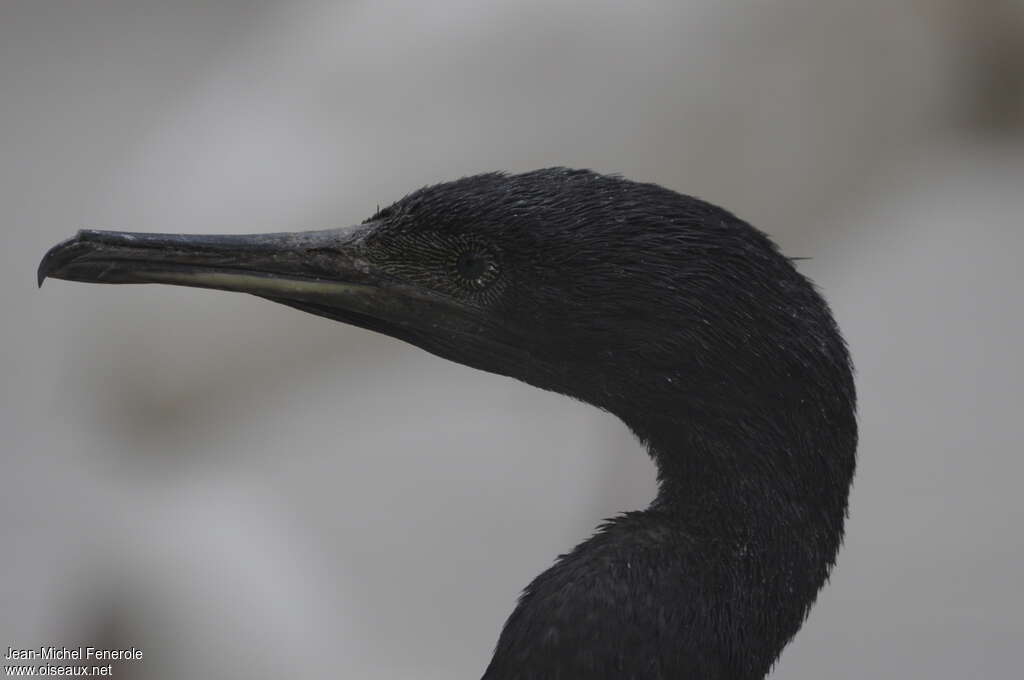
x: 726, y: 482
x: 787, y: 476
x: 764, y: 509
x: 711, y: 581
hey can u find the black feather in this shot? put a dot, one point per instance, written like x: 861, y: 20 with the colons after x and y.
x: 688, y: 324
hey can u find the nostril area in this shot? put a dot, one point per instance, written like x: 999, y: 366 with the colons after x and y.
x: 324, y: 250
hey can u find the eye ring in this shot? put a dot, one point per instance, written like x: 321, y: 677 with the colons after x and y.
x: 475, y: 267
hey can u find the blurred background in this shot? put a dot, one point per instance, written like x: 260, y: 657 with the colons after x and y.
x: 224, y: 483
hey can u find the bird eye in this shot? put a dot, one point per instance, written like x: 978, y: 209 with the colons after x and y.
x: 471, y: 265
x: 476, y: 267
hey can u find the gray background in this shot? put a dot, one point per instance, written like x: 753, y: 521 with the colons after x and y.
x: 245, y: 491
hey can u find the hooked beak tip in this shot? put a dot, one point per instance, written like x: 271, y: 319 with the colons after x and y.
x: 63, y: 254
x: 56, y: 258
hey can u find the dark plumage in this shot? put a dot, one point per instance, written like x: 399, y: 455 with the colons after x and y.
x: 673, y: 314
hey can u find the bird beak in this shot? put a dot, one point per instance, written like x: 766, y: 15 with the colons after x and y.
x: 322, y: 272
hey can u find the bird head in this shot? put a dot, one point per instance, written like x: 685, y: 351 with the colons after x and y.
x: 618, y: 293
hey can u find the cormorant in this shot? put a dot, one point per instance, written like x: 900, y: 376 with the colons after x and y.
x: 669, y: 312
